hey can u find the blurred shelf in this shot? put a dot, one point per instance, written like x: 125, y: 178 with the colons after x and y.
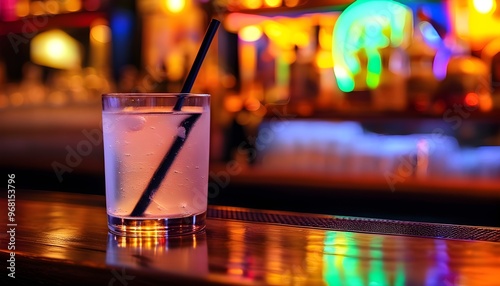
x: 304, y: 6
x: 301, y: 8
x: 459, y: 201
x: 258, y: 178
x: 45, y: 118
x: 289, y: 112
x: 35, y: 24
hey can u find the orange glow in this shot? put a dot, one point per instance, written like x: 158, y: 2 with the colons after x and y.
x: 16, y: 99
x: 250, y: 33
x: 248, y: 63
x: 22, y: 8
x: 4, y: 101
x: 101, y: 33
x: 74, y: 5
x: 485, y: 103
x: 273, y: 3
x: 176, y: 63
x: 291, y: 3
x: 235, y: 271
x: 252, y: 4
x: 37, y: 8
x: 233, y: 103
x: 471, y: 99
x: 305, y: 109
x: 52, y: 6
x: 490, y: 50
x: 288, y: 56
x: 252, y: 104
x: 228, y: 81
x: 236, y: 21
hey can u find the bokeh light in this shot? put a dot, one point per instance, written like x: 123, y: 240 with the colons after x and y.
x: 175, y: 6
x: 250, y: 33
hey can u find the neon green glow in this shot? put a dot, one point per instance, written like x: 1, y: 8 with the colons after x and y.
x: 341, y: 260
x: 374, y: 67
x: 376, y: 274
x: 369, y: 25
x: 282, y: 71
x: 400, y: 279
x: 345, y: 82
x: 331, y: 273
x: 353, y: 63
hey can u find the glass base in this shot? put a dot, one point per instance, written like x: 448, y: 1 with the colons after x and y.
x: 148, y: 227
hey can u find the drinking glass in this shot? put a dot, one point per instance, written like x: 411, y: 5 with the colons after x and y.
x: 156, y: 153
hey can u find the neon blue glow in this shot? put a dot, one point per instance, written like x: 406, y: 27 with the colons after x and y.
x: 121, y: 23
x: 430, y: 34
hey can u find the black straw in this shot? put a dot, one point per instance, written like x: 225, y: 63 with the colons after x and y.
x: 162, y: 170
x: 195, y: 68
x: 187, y: 123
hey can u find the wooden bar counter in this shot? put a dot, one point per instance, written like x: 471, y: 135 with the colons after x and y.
x: 62, y: 239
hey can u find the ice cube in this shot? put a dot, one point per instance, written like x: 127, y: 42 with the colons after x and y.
x: 135, y: 123
x: 181, y: 132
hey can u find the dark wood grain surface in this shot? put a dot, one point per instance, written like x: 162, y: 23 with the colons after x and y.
x: 62, y: 239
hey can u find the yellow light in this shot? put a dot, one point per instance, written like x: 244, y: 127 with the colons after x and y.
x: 175, y: 6
x: 301, y: 38
x: 325, y: 39
x: 273, y: 29
x: 101, y: 33
x: 250, y: 33
x: 73, y: 5
x: 480, y: 26
x: 484, y: 6
x: 55, y: 49
x: 273, y: 3
x: 252, y: 4
x: 324, y: 59
x: 289, y: 56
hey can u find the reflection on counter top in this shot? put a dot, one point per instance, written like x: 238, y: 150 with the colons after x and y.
x: 240, y: 247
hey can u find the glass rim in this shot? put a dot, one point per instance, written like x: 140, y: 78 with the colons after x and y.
x: 152, y: 94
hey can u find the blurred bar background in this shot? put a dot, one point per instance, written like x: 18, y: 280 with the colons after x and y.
x: 367, y: 108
